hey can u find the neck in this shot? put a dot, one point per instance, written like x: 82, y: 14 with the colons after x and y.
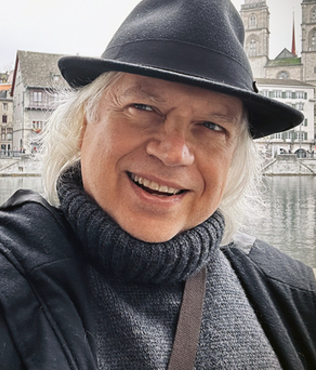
x: 120, y: 255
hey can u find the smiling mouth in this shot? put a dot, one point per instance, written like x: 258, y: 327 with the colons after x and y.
x: 154, y: 188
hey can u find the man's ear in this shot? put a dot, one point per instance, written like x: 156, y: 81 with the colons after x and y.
x: 82, y: 133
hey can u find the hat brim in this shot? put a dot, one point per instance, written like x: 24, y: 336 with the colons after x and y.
x: 266, y: 116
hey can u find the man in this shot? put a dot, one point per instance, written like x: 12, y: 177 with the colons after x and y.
x: 148, y: 164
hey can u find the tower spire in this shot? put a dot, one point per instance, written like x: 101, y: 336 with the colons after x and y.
x: 293, y: 38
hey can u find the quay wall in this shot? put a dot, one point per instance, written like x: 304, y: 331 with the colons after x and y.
x: 23, y: 166
x: 290, y: 164
x: 285, y: 164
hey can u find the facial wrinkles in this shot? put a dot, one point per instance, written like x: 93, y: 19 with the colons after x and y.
x: 111, y: 101
x: 142, y: 92
x: 115, y: 100
x: 143, y: 89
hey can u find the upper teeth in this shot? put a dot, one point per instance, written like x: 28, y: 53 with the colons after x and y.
x: 153, y: 185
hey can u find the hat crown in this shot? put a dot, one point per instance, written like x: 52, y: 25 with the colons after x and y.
x: 211, y: 24
x: 204, y: 22
x: 197, y: 42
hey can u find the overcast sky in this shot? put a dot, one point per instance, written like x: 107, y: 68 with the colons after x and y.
x: 85, y: 27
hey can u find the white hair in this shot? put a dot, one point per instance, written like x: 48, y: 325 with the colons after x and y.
x: 242, y: 199
x: 61, y: 137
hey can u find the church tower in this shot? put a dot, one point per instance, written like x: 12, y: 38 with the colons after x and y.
x: 309, y: 41
x: 255, y: 15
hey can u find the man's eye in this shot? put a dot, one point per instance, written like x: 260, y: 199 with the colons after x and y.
x: 145, y: 107
x: 213, y: 126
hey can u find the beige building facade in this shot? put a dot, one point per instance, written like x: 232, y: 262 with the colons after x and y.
x: 301, y: 139
x: 35, y: 90
x: 255, y: 16
x: 6, y: 120
x: 288, y: 75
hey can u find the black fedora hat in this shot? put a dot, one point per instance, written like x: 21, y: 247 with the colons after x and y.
x: 198, y: 42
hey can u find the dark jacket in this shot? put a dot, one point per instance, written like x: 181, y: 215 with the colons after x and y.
x: 45, y: 321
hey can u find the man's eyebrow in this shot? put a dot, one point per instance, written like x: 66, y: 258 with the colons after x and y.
x: 228, y: 117
x: 229, y: 114
x: 139, y: 91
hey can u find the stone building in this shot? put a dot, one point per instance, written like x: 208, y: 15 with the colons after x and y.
x: 6, y: 115
x: 35, y: 90
x: 300, y: 95
x: 287, y: 73
x: 255, y: 15
x: 287, y: 65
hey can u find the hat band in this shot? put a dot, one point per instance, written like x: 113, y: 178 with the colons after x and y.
x: 184, y: 58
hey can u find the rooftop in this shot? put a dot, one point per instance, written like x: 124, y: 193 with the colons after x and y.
x: 5, y: 87
x: 39, y: 70
x: 285, y: 58
x: 284, y: 62
x: 282, y: 82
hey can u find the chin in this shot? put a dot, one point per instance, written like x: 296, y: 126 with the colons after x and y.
x: 150, y: 235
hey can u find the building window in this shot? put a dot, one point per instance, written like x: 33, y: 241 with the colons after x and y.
x: 301, y: 95
x: 283, y: 75
x: 272, y: 94
x: 37, y: 126
x: 289, y: 135
x: 5, y: 106
x: 37, y: 96
x: 253, y: 48
x: 312, y: 40
x: 252, y: 20
x: 278, y: 94
x: 300, y: 106
x: 4, y: 119
x: 301, y: 135
x: 313, y: 15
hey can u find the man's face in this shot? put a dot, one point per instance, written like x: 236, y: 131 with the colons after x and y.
x: 156, y: 158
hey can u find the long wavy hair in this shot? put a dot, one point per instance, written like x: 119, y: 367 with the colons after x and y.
x: 61, y: 137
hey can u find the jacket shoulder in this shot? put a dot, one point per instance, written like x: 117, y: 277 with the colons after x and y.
x: 34, y: 231
x: 23, y: 197
x: 282, y: 292
x: 272, y: 263
x: 44, y: 305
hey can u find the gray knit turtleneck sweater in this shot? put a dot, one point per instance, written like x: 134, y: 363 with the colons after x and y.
x: 136, y: 291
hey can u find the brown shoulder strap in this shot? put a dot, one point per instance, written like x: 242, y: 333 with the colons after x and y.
x: 189, y: 323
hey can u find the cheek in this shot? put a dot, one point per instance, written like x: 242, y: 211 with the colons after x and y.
x: 94, y: 155
x: 214, y: 169
x: 98, y: 140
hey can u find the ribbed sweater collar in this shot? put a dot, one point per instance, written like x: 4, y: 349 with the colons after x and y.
x: 124, y: 257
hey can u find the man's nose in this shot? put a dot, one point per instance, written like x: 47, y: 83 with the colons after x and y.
x: 171, y: 148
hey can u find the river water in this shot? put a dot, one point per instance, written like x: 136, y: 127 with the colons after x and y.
x: 290, y: 212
